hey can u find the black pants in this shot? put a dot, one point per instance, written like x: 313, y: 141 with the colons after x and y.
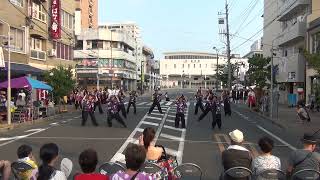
x: 117, y: 117
x: 204, y: 114
x: 216, y: 120
x: 180, y: 117
x: 99, y: 106
x: 123, y: 110
x: 85, y: 115
x: 154, y: 104
x: 134, y: 107
x: 77, y: 104
x: 199, y: 104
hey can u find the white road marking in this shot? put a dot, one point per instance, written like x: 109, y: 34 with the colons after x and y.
x: 54, y: 124
x: 125, y: 103
x: 169, y: 103
x: 266, y: 131
x: 156, y: 118
x: 142, y: 103
x: 150, y: 123
x: 149, y: 104
x: 170, y: 121
x: 171, y: 116
x: 159, y: 114
x: 21, y: 137
x: 173, y: 128
x: 168, y: 136
x: 33, y: 130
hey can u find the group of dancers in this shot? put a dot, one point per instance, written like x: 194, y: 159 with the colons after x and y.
x: 114, y: 99
x: 213, y: 104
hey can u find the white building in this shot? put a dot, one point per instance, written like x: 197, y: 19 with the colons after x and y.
x: 193, y: 69
x: 106, y: 55
x: 255, y: 50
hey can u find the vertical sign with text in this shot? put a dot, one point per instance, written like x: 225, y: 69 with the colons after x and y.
x: 55, y: 26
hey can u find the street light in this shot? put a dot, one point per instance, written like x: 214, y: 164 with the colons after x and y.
x: 9, y: 75
x: 217, y: 68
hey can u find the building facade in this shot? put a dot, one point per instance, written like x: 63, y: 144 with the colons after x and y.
x: 88, y: 13
x: 313, y: 46
x: 33, y: 49
x: 255, y: 49
x: 106, y: 58
x: 193, y: 69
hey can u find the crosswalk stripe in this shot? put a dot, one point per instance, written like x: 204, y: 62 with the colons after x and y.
x: 142, y: 103
x: 168, y: 136
x: 149, y: 104
x: 169, y: 120
x: 168, y: 103
x: 171, y: 116
x: 150, y: 123
x: 125, y: 103
x: 173, y: 128
x: 156, y: 118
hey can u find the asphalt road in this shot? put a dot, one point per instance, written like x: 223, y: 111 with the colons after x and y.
x: 197, y: 144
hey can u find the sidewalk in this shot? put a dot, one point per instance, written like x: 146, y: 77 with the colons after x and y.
x: 288, y: 119
x: 6, y: 127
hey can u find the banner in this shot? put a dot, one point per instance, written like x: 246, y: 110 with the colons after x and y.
x: 55, y: 25
x: 1, y: 58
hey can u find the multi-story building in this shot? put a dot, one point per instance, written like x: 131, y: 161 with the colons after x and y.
x: 313, y: 46
x: 106, y: 58
x: 88, y: 16
x: 255, y: 49
x: 193, y: 69
x: 291, y: 43
x: 33, y: 47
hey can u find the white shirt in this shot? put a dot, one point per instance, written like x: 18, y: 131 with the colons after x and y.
x: 59, y: 175
x: 262, y: 163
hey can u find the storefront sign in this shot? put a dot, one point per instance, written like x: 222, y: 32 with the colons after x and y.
x: 55, y: 26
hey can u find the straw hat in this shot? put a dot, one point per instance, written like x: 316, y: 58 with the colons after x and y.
x: 236, y: 136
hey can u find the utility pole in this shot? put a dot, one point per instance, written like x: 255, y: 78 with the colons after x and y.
x: 228, y: 46
x: 271, y: 84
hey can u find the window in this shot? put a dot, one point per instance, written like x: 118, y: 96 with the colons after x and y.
x: 194, y: 65
x: 36, y: 49
x: 175, y: 66
x: 38, y: 12
x: 36, y: 44
x: 17, y: 2
x: 17, y: 40
x: 315, y: 43
x: 63, y: 51
x: 79, y: 45
x: 189, y: 66
x: 67, y: 20
x: 182, y: 65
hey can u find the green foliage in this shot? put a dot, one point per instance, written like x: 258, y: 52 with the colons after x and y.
x: 259, y: 71
x: 223, y: 74
x: 313, y: 60
x: 60, y: 79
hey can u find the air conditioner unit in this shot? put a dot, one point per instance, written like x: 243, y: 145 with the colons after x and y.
x: 52, y: 53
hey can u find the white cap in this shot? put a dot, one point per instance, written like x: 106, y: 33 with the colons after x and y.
x: 236, y: 136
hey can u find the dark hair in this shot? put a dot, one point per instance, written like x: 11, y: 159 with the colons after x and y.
x: 148, y: 136
x: 135, y: 157
x: 47, y: 153
x: 24, y: 151
x: 88, y: 160
x: 266, y: 144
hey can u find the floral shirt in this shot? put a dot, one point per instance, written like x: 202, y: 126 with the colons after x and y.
x: 181, y: 106
x: 88, y: 105
x: 113, y: 107
x: 157, y: 97
x: 133, y: 98
x: 262, y: 163
x: 120, y: 175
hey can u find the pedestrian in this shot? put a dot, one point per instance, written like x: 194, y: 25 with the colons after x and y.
x: 234, y: 95
x: 199, y: 104
x: 78, y: 99
x: 181, y: 107
x: 251, y: 99
x: 166, y: 96
x: 210, y: 106
x: 113, y: 111
x: 156, y: 102
x: 88, y: 109
x: 302, y: 113
x: 121, y: 98
x: 132, y: 101
x: 227, y: 106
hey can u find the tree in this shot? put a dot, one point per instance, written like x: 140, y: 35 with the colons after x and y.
x: 314, y: 62
x: 60, y: 79
x: 223, y: 74
x: 259, y: 71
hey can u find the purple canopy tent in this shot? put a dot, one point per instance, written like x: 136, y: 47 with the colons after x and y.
x: 26, y: 82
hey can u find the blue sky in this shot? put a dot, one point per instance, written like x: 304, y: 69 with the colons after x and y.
x: 191, y: 25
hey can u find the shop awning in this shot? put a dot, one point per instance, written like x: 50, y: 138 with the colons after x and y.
x: 24, y: 69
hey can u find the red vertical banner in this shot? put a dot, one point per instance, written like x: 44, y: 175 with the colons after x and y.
x: 55, y: 26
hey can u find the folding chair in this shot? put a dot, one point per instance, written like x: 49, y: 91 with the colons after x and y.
x: 150, y: 168
x: 110, y: 168
x: 238, y: 172
x: 188, y: 171
x: 271, y: 174
x: 306, y: 174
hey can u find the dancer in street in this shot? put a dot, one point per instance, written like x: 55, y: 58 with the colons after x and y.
x: 198, y: 98
x: 156, y: 102
x: 121, y: 98
x: 181, y: 103
x: 132, y: 101
x: 217, y: 119
x: 227, y: 106
x: 98, y: 95
x: 210, y: 106
x: 88, y: 109
x: 113, y: 111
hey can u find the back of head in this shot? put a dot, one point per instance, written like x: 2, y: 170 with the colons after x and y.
x: 24, y: 151
x: 266, y: 144
x: 48, y: 152
x: 88, y: 160
x: 135, y: 156
x: 148, y: 136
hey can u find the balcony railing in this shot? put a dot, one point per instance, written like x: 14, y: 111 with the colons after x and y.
x: 291, y: 7
x: 293, y: 33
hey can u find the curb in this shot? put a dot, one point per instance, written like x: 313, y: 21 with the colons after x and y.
x: 265, y: 117
x: 7, y: 128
